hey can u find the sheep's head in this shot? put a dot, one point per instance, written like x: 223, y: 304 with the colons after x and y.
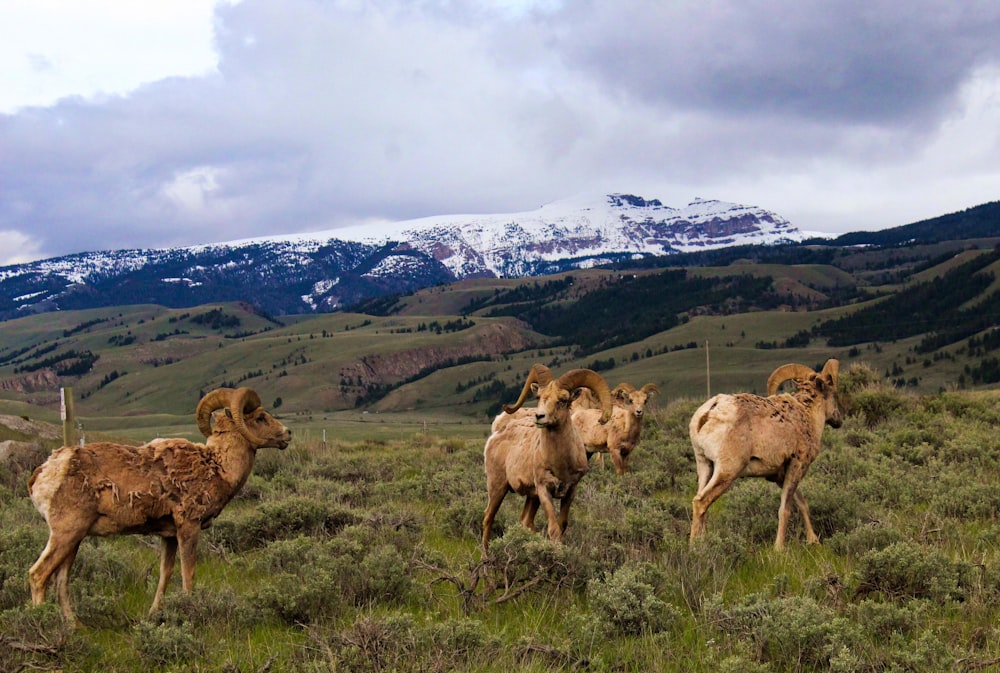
x: 556, y: 395
x: 242, y: 412
x: 823, y: 382
x: 632, y: 400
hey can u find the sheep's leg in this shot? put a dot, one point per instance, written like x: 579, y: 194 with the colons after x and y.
x: 62, y: 584
x: 59, y: 548
x: 618, y: 460
x: 168, y: 554
x: 715, y: 487
x: 187, y: 542
x: 793, y: 475
x: 531, y: 504
x: 496, y: 496
x: 705, y: 468
x: 800, y: 501
x: 564, y: 504
x: 555, y: 528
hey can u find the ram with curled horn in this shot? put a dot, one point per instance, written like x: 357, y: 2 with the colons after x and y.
x: 544, y: 459
x: 172, y: 488
x: 776, y: 437
x: 619, y: 437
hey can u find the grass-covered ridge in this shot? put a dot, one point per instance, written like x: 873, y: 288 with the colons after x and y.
x: 363, y: 556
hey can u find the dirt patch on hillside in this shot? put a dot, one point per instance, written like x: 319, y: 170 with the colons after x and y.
x: 42, y: 379
x: 490, y: 340
x: 31, y: 429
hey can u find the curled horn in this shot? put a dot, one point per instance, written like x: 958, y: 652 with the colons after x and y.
x: 586, y: 378
x: 539, y: 374
x: 832, y: 367
x: 650, y: 389
x: 244, y: 401
x: 217, y: 399
x: 784, y: 373
x: 622, y: 391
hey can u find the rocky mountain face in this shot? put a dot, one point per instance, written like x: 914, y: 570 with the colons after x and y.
x: 327, y: 271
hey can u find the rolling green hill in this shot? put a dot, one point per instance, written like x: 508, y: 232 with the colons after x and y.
x: 922, y: 316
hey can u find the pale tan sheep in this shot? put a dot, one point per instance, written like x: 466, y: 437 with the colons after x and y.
x: 543, y: 461
x: 619, y: 436
x: 776, y: 437
x: 168, y: 487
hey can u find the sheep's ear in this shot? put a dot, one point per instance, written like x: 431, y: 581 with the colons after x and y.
x: 229, y: 413
x: 577, y: 392
x: 821, y: 383
x: 534, y: 389
x: 621, y: 394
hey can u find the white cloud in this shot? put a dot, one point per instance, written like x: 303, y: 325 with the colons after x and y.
x: 269, y: 117
x: 17, y: 248
x: 52, y: 49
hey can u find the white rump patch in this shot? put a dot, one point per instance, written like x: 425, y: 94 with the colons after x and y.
x: 50, y: 479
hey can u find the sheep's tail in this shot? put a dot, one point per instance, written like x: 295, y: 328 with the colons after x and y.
x: 31, y: 480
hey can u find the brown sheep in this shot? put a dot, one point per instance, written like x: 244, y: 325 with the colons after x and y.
x: 620, y: 436
x: 545, y: 460
x: 776, y: 437
x: 168, y: 487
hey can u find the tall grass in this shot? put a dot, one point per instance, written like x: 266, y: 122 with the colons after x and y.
x: 363, y: 556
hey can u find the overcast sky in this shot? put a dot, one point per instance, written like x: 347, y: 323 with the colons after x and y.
x: 142, y: 124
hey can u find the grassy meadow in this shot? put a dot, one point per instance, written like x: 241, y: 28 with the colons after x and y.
x: 357, y: 548
x: 361, y: 553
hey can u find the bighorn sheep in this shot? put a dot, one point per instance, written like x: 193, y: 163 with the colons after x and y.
x: 776, y: 437
x: 168, y: 487
x: 545, y: 460
x: 621, y: 434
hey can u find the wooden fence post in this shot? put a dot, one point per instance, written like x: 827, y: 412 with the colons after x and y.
x: 68, y: 416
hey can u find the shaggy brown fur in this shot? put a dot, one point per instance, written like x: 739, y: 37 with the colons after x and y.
x: 775, y: 437
x: 169, y: 487
x: 543, y: 461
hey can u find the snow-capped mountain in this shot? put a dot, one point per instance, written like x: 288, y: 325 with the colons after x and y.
x: 324, y: 271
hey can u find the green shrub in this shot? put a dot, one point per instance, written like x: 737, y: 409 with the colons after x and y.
x: 162, y: 644
x: 832, y: 508
x: 904, y: 570
x: 300, y: 599
x: 792, y: 633
x: 455, y: 645
x: 863, y: 538
x: 464, y: 520
x: 857, y: 377
x: 959, y: 498
x: 523, y: 561
x: 280, y: 520
x: 749, y: 510
x: 373, y: 643
x: 627, y: 604
x: 206, y: 606
x: 876, y: 406
x: 614, y: 517
x: 19, y: 548
x: 881, y: 620
x: 703, y: 570
x: 44, y: 640
x: 309, y: 578
x: 396, y: 642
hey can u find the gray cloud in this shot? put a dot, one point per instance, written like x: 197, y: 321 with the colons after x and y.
x: 324, y: 114
x: 854, y: 62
